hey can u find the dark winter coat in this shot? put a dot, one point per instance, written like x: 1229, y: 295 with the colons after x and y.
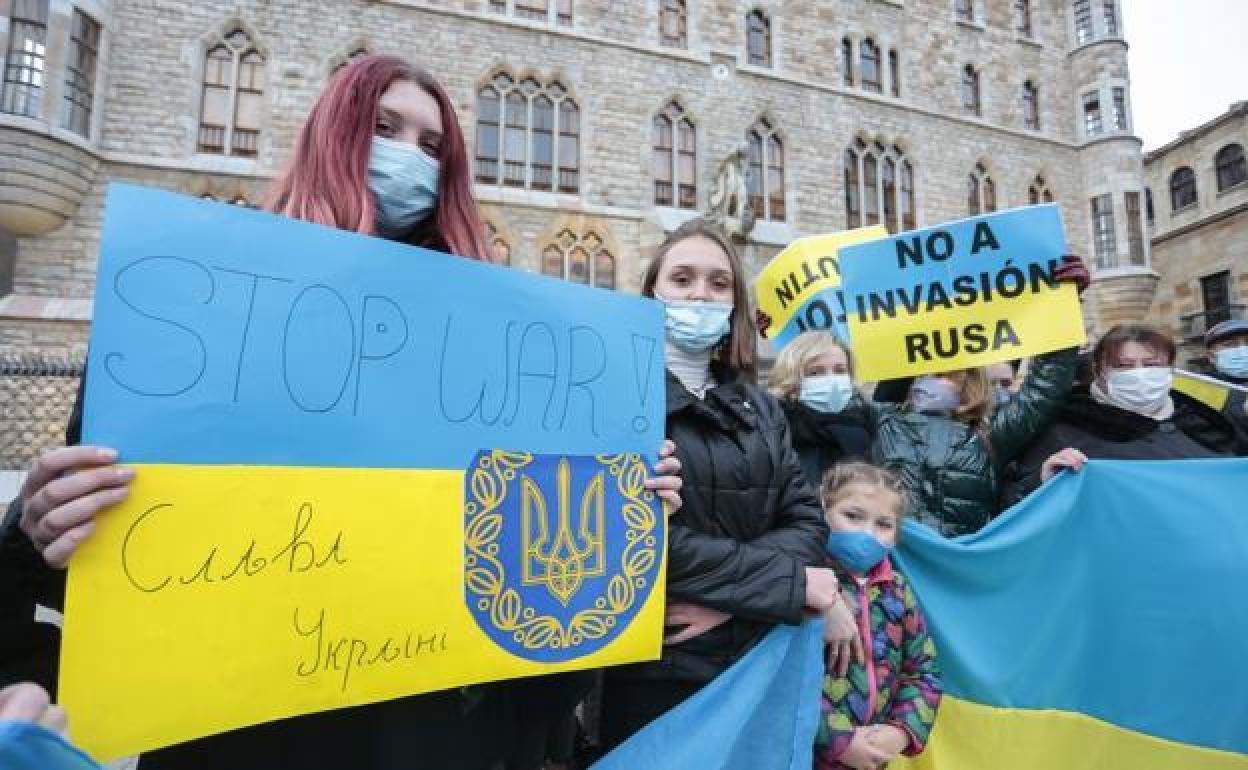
x: 952, y: 469
x: 465, y: 729
x: 823, y: 440
x: 1108, y: 432
x: 748, y: 526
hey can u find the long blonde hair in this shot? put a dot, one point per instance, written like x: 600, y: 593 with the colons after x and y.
x: 785, y: 380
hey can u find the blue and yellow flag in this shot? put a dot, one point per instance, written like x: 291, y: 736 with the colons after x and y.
x: 364, y: 471
x: 1101, y: 624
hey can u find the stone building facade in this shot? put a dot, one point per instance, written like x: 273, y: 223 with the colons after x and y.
x: 596, y: 125
x: 1198, y: 222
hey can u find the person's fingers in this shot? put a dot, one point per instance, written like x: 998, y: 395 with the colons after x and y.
x: 676, y: 614
x: 667, y: 466
x: 56, y: 493
x: 859, y: 653
x: 56, y: 462
x: 843, y: 658
x: 57, y: 553
x: 694, y: 628
x: 664, y: 481
x: 830, y: 657
x: 23, y: 702
x: 78, y: 510
x: 55, y: 719
x: 673, y: 500
x: 667, y: 448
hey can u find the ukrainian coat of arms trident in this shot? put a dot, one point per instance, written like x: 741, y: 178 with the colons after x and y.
x: 560, y: 552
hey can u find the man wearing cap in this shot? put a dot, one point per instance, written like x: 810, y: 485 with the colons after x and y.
x: 1227, y: 346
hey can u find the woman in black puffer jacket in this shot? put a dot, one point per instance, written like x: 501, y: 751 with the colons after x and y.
x: 745, y: 549
x: 1129, y: 412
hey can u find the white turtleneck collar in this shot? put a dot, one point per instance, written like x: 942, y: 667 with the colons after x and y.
x: 692, y: 369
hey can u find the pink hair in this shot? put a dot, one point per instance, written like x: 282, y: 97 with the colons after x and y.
x: 326, y: 180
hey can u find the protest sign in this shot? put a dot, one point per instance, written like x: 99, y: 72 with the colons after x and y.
x: 363, y: 471
x: 961, y: 295
x: 1213, y: 393
x: 799, y: 288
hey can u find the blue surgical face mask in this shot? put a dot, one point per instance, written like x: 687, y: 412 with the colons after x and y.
x: 696, y: 327
x: 828, y: 393
x: 1233, y: 362
x: 404, y: 183
x: 934, y: 395
x: 857, y: 552
x: 1002, y: 395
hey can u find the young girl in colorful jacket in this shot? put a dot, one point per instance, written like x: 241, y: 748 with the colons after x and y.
x: 876, y: 710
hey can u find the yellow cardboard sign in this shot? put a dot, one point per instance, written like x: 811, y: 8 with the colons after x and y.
x: 961, y: 295
x: 1208, y: 391
x: 223, y: 596
x: 805, y: 267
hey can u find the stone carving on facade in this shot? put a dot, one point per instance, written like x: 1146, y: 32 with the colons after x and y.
x: 730, y: 200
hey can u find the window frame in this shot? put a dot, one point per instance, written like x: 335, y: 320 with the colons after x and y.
x: 1136, y: 252
x: 1022, y: 19
x: 514, y: 123
x: 1230, y: 167
x: 971, y: 92
x: 229, y: 146
x: 1031, y: 105
x: 1081, y: 15
x: 680, y: 10
x: 1093, y: 116
x: 860, y: 158
x: 678, y: 125
x: 25, y: 80
x: 1184, y: 193
x: 567, y: 244
x: 763, y: 140
x: 869, y: 55
x: 1104, y: 233
x: 758, y: 25
x: 82, y: 61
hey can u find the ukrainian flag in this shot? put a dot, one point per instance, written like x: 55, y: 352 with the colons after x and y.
x: 363, y: 471
x: 1100, y: 624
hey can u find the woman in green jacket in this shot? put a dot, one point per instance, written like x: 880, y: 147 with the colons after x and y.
x: 949, y: 441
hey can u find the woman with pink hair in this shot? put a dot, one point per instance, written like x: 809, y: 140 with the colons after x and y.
x: 382, y: 154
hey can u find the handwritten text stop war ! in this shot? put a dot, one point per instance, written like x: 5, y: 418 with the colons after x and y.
x: 328, y: 345
x: 1002, y: 282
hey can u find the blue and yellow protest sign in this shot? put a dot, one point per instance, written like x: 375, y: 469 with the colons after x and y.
x: 1098, y: 625
x: 799, y: 289
x: 364, y: 471
x: 960, y: 295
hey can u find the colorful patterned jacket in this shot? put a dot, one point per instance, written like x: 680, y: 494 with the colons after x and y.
x: 900, y: 685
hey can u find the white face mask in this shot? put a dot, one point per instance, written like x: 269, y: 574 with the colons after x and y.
x: 1141, y: 390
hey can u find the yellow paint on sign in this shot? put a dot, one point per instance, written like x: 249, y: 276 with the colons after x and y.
x: 222, y: 596
x: 804, y: 268
x: 967, y: 337
x: 1206, y: 390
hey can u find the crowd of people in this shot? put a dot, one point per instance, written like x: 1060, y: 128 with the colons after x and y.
x: 784, y: 503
